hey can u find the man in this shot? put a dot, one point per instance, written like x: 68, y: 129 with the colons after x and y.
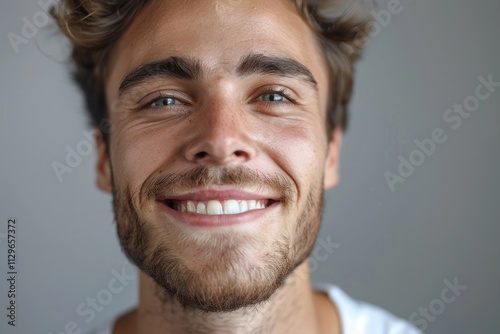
x: 219, y: 127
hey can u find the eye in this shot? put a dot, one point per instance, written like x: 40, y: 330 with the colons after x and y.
x: 273, y: 97
x: 163, y: 101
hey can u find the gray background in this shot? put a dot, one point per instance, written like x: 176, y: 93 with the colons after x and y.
x: 395, y: 249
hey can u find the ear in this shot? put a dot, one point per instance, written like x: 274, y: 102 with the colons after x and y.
x: 331, y: 176
x: 103, y: 167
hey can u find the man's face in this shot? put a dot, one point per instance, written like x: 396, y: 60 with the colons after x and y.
x: 218, y: 107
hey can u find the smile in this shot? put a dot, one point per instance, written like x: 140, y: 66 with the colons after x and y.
x: 218, y: 207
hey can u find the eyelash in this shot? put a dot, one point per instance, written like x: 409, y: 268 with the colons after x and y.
x: 268, y: 91
x: 161, y: 96
x: 279, y: 91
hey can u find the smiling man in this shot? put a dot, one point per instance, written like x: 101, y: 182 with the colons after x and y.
x: 225, y: 128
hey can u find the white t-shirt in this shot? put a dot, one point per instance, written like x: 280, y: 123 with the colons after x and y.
x: 356, y: 317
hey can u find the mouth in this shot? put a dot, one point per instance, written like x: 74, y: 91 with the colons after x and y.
x: 219, y: 207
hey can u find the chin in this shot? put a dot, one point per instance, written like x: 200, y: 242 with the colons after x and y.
x: 220, y: 279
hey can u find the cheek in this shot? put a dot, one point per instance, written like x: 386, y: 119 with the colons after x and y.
x: 138, y: 152
x: 300, y: 152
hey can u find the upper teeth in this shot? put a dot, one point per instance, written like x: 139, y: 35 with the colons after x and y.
x: 215, y: 207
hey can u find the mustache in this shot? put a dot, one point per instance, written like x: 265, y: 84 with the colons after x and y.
x: 203, y: 176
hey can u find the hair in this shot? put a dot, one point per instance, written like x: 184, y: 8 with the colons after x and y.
x: 94, y: 26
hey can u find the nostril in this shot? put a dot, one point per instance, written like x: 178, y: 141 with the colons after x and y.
x: 201, y: 154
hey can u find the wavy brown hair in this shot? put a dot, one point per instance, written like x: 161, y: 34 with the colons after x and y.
x: 94, y: 26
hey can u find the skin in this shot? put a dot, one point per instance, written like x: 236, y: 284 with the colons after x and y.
x: 219, y: 121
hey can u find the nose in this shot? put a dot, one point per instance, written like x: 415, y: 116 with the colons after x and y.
x: 220, y: 135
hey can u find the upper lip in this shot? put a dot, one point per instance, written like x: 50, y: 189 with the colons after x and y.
x: 212, y: 194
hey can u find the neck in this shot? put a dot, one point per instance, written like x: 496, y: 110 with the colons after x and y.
x: 293, y: 308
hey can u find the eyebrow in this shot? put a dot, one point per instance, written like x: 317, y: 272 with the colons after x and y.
x: 191, y: 69
x: 272, y: 65
x: 175, y: 67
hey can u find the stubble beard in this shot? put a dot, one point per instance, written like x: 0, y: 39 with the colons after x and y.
x: 219, y: 273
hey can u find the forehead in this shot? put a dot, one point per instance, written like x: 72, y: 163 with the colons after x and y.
x: 217, y: 33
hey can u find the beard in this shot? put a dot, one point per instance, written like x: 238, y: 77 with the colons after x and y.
x: 216, y: 271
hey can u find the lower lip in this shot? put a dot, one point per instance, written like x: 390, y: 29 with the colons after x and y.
x: 200, y: 220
